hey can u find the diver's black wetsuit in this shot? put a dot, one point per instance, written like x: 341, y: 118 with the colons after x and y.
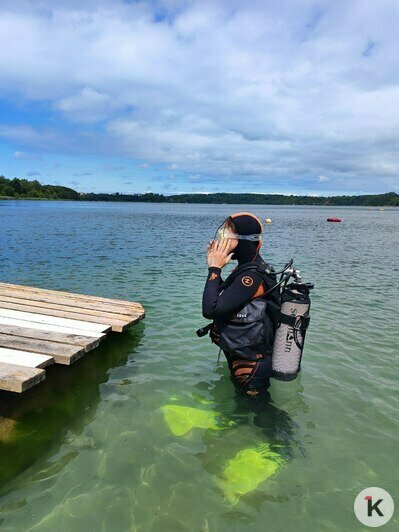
x: 223, y: 297
x: 249, y: 374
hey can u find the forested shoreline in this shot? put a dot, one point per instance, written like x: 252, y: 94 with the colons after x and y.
x: 24, y: 189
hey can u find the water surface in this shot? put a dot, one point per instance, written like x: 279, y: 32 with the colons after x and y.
x: 90, y: 450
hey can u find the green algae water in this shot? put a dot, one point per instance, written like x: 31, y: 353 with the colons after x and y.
x: 147, y: 433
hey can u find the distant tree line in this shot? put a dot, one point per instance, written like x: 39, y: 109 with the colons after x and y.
x: 22, y: 188
x: 149, y: 197
x: 389, y: 199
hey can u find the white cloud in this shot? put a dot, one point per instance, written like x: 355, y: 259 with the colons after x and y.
x: 25, y: 156
x: 262, y: 91
x: 88, y: 106
x: 30, y: 136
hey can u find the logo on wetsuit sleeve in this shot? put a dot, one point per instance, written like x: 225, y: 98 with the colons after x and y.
x: 213, y: 276
x: 247, y: 281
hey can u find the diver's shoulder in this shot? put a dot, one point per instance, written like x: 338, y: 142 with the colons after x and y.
x: 249, y: 278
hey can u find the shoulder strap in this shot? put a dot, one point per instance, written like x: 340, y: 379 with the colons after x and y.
x: 263, y: 268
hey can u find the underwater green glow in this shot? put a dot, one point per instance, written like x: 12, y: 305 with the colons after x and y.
x: 247, y: 470
x: 182, y: 419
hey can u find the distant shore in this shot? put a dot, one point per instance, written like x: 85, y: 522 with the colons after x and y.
x: 370, y: 206
x: 32, y: 199
x: 209, y: 202
x: 33, y: 190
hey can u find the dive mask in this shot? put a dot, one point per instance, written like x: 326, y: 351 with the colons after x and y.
x: 226, y: 233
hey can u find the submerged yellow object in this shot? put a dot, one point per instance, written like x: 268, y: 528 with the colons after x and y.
x: 247, y: 470
x: 182, y: 419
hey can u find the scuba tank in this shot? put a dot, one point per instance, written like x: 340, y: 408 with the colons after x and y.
x: 293, y: 321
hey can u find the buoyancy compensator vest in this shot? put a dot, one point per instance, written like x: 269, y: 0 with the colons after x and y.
x: 249, y: 332
x: 273, y: 324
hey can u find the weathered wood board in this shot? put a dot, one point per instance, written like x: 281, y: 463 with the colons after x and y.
x: 63, y: 338
x: 44, y: 297
x: 24, y: 358
x: 68, y: 295
x: 40, y: 327
x: 19, y: 378
x: 46, y: 327
x: 53, y: 320
x: 62, y: 353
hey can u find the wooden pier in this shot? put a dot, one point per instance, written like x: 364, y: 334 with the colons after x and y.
x: 41, y: 327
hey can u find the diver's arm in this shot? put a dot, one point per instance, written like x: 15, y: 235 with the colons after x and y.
x: 243, y: 288
x: 211, y: 290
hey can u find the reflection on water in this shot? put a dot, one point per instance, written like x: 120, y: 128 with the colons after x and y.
x: 35, y: 423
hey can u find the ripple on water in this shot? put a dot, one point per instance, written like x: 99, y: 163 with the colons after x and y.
x: 102, y: 456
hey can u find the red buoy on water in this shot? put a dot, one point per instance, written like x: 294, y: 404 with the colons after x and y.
x: 334, y: 219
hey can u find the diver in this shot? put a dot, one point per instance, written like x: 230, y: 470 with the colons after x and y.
x: 224, y: 302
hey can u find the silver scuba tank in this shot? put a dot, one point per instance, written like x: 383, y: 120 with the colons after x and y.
x: 290, y: 334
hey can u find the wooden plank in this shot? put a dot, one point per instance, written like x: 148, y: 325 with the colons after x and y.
x: 90, y: 335
x: 82, y: 297
x: 86, y: 342
x: 62, y: 353
x: 18, y: 378
x: 5, y: 302
x: 66, y: 314
x: 28, y: 359
x: 80, y: 300
x: 80, y: 303
x: 133, y: 321
x: 54, y: 320
x: 38, y: 327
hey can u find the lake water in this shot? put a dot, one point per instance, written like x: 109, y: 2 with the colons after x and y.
x: 90, y: 449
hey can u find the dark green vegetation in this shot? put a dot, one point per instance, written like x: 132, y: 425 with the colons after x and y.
x: 22, y: 188
x: 389, y: 199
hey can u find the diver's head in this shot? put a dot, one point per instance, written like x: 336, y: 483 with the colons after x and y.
x: 244, y: 230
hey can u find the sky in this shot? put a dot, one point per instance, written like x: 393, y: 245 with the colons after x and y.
x: 173, y: 96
